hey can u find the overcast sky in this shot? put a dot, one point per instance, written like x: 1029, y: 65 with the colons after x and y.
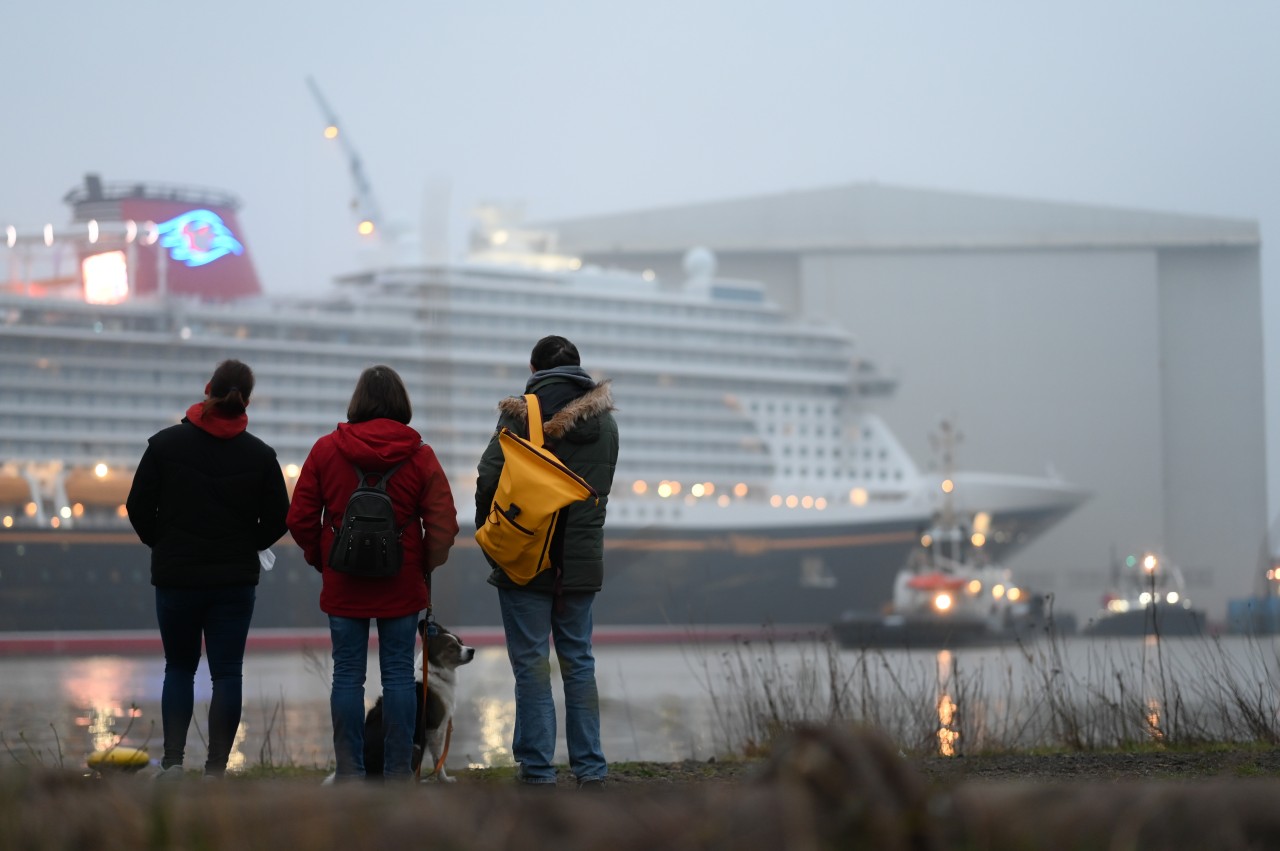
x: 572, y: 108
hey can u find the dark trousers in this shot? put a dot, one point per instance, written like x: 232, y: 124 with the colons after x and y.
x: 220, y: 617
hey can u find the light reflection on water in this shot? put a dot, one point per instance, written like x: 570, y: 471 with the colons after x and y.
x: 661, y: 703
x: 57, y: 710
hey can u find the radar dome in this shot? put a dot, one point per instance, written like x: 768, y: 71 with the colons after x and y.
x: 700, y: 263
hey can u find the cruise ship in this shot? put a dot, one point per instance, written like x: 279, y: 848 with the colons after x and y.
x: 755, y: 486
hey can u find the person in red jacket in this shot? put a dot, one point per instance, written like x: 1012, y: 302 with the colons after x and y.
x: 375, y: 438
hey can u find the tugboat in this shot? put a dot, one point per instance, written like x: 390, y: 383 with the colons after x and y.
x: 1148, y: 596
x: 949, y: 593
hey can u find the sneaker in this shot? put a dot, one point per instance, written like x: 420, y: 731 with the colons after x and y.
x: 547, y: 786
x: 172, y: 774
x: 591, y: 784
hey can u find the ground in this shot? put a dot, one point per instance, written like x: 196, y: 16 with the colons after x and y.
x: 1242, y: 762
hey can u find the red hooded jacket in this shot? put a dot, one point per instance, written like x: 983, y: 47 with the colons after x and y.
x: 419, y: 491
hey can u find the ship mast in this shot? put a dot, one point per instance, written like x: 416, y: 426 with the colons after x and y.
x: 944, y: 441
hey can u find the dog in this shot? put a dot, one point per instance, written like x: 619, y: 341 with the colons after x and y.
x: 445, y: 654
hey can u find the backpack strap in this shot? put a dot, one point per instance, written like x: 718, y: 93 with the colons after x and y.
x: 381, y: 484
x: 535, y: 418
x: 361, y: 478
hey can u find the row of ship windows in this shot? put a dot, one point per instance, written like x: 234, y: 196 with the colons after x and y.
x: 604, y: 328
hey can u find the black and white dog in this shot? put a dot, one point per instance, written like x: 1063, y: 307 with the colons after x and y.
x: 445, y: 654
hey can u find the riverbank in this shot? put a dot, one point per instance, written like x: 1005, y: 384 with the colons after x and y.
x: 1218, y: 762
x: 819, y: 788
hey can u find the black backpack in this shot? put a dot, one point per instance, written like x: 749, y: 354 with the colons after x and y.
x: 367, y: 543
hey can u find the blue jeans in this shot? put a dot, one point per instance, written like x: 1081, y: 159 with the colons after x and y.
x: 219, y: 616
x: 396, y: 638
x: 528, y: 618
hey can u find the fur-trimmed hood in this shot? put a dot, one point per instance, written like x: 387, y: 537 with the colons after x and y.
x: 593, y: 403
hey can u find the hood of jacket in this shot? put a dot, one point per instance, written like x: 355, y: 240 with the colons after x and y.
x: 583, y: 409
x: 215, y: 422
x: 376, y: 445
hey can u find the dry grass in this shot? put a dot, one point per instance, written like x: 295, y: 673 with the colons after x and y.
x: 821, y: 788
x: 1028, y: 698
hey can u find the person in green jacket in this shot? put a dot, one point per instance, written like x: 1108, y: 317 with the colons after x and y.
x: 580, y: 429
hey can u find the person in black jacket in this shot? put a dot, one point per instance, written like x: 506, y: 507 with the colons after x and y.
x: 206, y: 498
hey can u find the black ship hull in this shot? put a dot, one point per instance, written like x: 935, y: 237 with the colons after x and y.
x: 798, y: 575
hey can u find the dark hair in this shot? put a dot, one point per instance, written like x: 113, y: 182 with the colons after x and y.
x: 553, y: 351
x: 230, y: 388
x: 379, y: 394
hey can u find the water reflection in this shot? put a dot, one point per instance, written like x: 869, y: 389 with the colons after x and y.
x: 93, y: 686
x: 677, y: 703
x: 58, y: 710
x: 948, y: 732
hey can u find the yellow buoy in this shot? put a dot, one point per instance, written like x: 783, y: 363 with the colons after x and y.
x: 120, y: 757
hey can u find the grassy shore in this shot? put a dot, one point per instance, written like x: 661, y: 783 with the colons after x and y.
x: 819, y: 787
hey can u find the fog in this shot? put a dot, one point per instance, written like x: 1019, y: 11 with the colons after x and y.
x: 577, y: 108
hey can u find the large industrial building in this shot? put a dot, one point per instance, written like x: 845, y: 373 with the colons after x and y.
x: 1120, y: 349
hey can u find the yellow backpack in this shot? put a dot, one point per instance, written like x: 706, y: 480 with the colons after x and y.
x: 532, y: 489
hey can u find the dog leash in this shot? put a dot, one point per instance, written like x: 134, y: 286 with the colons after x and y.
x: 427, y: 634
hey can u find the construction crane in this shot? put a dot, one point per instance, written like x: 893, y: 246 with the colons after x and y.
x: 368, y: 215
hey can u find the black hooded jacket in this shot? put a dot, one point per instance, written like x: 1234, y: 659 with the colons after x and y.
x: 205, y: 504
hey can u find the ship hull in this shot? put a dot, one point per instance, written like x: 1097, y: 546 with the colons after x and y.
x: 796, y: 575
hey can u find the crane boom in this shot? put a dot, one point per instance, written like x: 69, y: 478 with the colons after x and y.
x: 365, y: 204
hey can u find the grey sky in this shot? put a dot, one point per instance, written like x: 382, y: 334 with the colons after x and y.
x: 580, y: 107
